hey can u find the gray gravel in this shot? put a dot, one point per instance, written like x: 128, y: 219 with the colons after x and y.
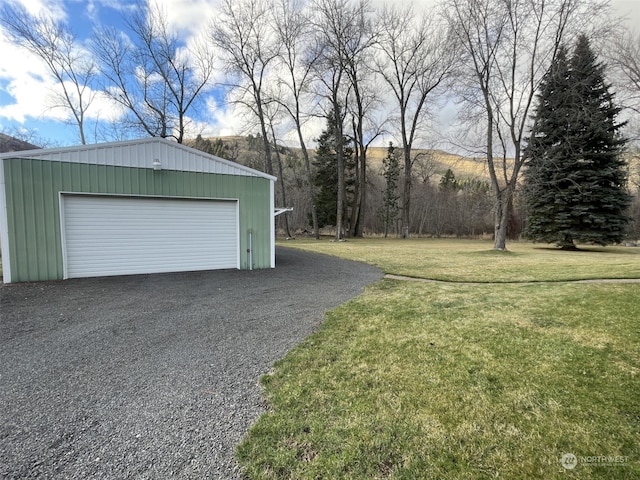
x: 152, y: 376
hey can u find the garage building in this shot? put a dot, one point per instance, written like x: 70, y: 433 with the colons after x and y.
x: 143, y: 206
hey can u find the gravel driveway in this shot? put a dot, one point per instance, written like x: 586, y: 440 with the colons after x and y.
x: 152, y: 376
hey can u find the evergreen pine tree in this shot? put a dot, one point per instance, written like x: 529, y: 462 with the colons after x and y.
x: 325, y: 177
x: 575, y: 180
x: 545, y: 150
x: 448, y: 182
x: 390, y: 195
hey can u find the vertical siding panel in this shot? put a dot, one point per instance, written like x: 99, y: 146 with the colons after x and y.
x: 27, y: 264
x: 175, y: 183
x: 10, y: 192
x: 94, y: 176
x: 129, y: 178
x: 41, y: 232
x: 190, y: 179
x: 257, y: 208
x: 185, y: 179
x: 243, y: 186
x: 83, y: 179
x: 260, y: 218
x: 48, y: 219
x: 157, y: 184
x: 67, y: 174
x: 245, y: 220
x: 257, y: 227
x: 255, y: 219
x: 180, y: 183
x: 201, y: 190
x: 56, y: 186
x: 106, y: 177
x: 36, y: 221
x: 89, y: 180
x: 47, y: 222
x: 113, y: 179
x: 30, y: 213
x: 139, y: 183
x: 147, y: 181
x: 266, y: 218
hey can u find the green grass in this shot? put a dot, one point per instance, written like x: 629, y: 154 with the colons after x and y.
x: 457, y: 381
x: 475, y: 261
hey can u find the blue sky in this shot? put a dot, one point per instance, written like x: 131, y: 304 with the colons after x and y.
x: 25, y: 82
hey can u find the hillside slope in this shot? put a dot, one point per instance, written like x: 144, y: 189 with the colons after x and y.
x: 431, y: 164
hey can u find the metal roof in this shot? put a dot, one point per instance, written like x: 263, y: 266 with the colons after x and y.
x: 142, y: 154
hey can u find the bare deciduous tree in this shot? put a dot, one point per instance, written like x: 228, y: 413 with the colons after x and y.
x: 156, y: 78
x: 244, y: 34
x: 70, y: 65
x: 362, y: 101
x: 415, y: 56
x: 297, y: 60
x: 625, y: 58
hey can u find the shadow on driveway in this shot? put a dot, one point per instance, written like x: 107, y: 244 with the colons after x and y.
x: 152, y: 376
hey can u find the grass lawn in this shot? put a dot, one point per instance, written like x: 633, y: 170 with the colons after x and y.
x: 460, y: 381
x: 475, y: 261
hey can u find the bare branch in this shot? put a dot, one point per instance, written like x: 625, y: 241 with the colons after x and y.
x: 156, y: 77
x: 73, y: 70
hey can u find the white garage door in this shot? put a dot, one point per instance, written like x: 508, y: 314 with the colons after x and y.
x: 106, y: 235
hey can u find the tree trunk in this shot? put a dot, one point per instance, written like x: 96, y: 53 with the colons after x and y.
x: 567, y: 243
x: 501, y: 221
x: 312, y: 193
x: 406, y: 191
x: 283, y: 190
x: 263, y: 128
x: 360, y: 194
x: 267, y: 150
x: 340, y: 166
x: 355, y: 205
x: 359, y: 227
x: 360, y: 199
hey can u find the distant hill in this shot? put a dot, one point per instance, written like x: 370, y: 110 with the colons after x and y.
x: 435, y: 163
x: 430, y: 163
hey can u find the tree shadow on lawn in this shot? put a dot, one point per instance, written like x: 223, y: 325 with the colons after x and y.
x: 618, y: 250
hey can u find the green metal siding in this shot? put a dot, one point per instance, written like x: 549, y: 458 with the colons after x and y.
x: 33, y: 214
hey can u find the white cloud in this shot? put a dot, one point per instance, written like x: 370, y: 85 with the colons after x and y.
x: 52, y: 8
x: 224, y: 120
x: 26, y: 80
x: 188, y: 16
x: 105, y: 109
x: 629, y: 10
x: 34, y: 91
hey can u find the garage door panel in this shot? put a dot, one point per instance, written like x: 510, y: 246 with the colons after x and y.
x: 125, y: 235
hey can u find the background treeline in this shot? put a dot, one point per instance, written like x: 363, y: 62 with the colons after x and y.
x: 451, y: 194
